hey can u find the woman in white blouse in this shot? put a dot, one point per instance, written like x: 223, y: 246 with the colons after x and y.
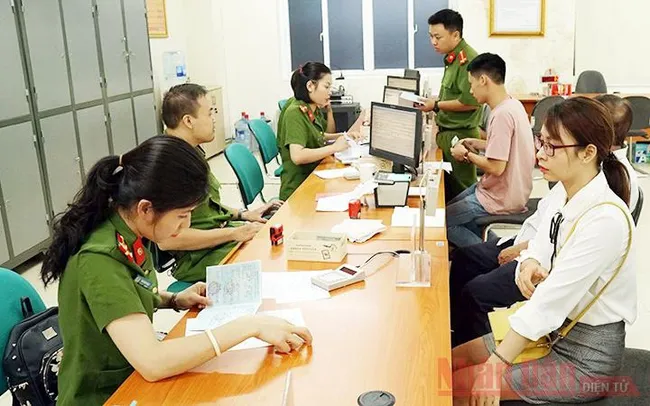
x: 574, y: 148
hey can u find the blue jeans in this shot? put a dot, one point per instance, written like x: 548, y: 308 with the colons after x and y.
x: 461, y: 213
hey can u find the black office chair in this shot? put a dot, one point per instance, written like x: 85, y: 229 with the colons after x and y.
x: 640, y: 115
x: 541, y: 109
x: 635, y: 367
x: 636, y: 213
x: 591, y: 81
x: 488, y: 222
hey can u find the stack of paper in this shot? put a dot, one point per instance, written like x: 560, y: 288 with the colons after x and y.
x: 336, y: 173
x: 437, y: 165
x: 340, y: 202
x: 359, y: 230
x: 353, y: 153
x: 408, y: 216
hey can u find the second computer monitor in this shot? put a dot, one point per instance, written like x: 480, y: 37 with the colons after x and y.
x: 410, y: 84
x: 392, y: 96
x: 396, y: 134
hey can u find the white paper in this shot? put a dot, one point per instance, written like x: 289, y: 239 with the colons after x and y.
x: 340, y: 202
x: 213, y: 317
x: 359, y: 230
x: 417, y: 191
x: 292, y: 287
x: 412, y: 97
x: 293, y: 316
x: 437, y: 165
x: 353, y: 153
x: 235, y: 284
x: 405, y: 216
x: 517, y: 16
x: 331, y: 173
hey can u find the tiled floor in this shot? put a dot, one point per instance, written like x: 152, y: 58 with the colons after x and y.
x: 164, y: 320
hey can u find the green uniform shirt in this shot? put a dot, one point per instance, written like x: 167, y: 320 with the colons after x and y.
x: 295, y: 126
x: 455, y: 86
x: 190, y: 265
x: 100, y: 285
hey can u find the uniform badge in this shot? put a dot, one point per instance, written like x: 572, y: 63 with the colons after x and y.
x: 308, y: 111
x: 462, y: 58
x: 138, y: 252
x: 450, y: 57
x: 124, y: 248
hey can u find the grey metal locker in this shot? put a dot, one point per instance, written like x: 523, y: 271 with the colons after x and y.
x: 82, y: 49
x: 138, y: 44
x: 13, y: 101
x: 22, y: 188
x: 113, y: 44
x: 93, y: 135
x: 4, y: 250
x: 47, y: 53
x: 62, y: 159
x: 146, y: 118
x: 122, y: 128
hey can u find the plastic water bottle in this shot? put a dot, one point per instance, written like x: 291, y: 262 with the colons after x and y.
x: 251, y: 142
x: 242, y: 135
x: 263, y: 117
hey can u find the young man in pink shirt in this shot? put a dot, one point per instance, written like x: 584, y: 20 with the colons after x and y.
x: 508, y: 159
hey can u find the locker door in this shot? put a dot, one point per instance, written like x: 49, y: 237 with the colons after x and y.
x: 46, y: 53
x: 93, y: 135
x: 22, y: 188
x: 122, y: 128
x: 4, y: 250
x: 138, y: 42
x: 13, y: 102
x: 112, y: 39
x: 62, y: 159
x: 82, y: 49
x: 146, y: 119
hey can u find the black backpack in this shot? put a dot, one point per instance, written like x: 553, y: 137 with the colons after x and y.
x: 32, y: 357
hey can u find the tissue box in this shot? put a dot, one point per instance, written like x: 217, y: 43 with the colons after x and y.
x: 316, y: 246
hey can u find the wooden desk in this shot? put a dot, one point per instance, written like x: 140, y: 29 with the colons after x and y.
x: 367, y: 336
x: 299, y: 212
x: 529, y: 100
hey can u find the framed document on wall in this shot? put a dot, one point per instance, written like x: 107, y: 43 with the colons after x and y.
x: 517, y: 18
x: 156, y: 19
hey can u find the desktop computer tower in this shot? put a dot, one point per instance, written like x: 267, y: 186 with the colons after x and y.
x: 345, y: 115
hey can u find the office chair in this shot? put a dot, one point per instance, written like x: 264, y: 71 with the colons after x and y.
x: 541, y: 109
x: 640, y: 115
x: 248, y: 172
x: 265, y: 138
x: 591, y: 81
x: 488, y: 222
x: 282, y: 103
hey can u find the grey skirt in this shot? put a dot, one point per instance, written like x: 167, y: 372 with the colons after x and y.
x: 575, y: 371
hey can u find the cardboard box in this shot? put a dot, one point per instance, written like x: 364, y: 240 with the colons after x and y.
x: 316, y: 246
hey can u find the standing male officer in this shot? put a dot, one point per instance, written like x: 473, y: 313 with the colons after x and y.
x: 457, y: 111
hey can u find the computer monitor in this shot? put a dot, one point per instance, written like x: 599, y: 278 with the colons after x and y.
x: 410, y: 84
x: 396, y: 134
x: 392, y: 96
x: 411, y: 73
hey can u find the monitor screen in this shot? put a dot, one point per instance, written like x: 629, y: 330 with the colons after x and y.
x: 392, y: 96
x: 396, y: 133
x: 410, y: 84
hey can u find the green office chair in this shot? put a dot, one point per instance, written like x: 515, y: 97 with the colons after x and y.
x: 13, y: 287
x: 249, y: 174
x: 178, y: 286
x: 265, y: 138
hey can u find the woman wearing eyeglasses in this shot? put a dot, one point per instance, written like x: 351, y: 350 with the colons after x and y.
x: 580, y: 247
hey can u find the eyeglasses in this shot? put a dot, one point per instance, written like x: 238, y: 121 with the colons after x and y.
x: 549, y: 149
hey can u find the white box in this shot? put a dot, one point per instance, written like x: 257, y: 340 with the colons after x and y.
x: 316, y: 246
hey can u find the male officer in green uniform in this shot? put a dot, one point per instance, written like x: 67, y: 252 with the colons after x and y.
x: 187, y: 113
x: 457, y: 111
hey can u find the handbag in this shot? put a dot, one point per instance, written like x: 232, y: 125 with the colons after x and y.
x: 542, y: 347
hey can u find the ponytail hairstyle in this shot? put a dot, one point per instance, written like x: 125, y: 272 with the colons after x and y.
x: 309, y: 72
x: 164, y: 170
x: 589, y: 122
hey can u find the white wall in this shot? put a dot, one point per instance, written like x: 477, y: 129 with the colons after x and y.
x: 239, y: 44
x: 611, y: 37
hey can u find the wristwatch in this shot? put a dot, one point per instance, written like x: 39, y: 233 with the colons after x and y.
x: 436, y: 108
x: 240, y: 213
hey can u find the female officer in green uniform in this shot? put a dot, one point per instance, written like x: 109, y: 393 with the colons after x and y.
x: 108, y: 289
x: 303, y: 130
